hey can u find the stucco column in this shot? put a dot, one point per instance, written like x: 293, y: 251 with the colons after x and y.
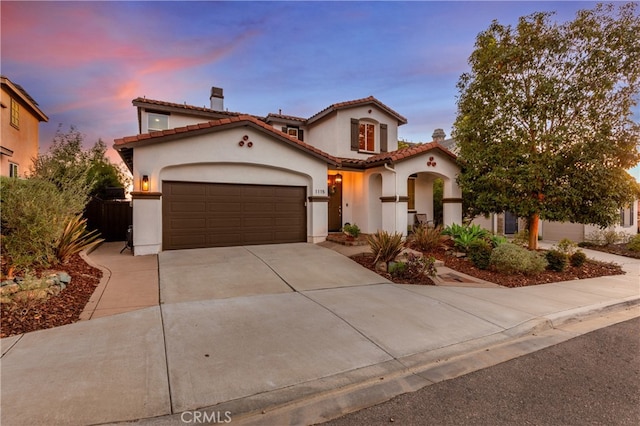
x: 394, y: 214
x: 317, y: 216
x: 147, y: 222
x: 451, y: 203
x: 394, y: 201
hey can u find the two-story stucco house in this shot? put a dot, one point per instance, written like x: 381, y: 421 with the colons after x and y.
x: 206, y: 177
x: 20, y: 122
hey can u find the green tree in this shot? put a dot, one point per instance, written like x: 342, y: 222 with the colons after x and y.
x: 70, y: 166
x: 544, y: 121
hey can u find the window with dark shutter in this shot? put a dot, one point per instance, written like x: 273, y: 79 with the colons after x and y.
x: 383, y: 138
x: 301, y: 134
x: 355, y: 134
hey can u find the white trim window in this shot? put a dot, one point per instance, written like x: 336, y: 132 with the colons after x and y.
x: 157, y: 122
x: 367, y: 137
x: 13, y: 170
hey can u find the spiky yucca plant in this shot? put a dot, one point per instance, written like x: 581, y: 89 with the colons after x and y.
x: 76, y: 238
x: 385, y: 246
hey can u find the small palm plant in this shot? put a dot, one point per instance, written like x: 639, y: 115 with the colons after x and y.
x: 76, y: 238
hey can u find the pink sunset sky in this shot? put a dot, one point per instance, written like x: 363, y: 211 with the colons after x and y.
x: 84, y: 62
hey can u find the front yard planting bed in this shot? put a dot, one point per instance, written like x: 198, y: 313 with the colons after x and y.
x: 64, y: 308
x: 591, y: 269
x: 619, y: 249
x: 366, y: 260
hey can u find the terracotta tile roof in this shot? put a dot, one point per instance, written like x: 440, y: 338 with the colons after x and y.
x: 406, y: 153
x: 284, y: 117
x: 123, y: 144
x: 26, y: 97
x: 192, y: 108
x: 354, y: 103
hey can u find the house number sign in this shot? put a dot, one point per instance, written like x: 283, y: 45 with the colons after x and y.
x: 319, y: 192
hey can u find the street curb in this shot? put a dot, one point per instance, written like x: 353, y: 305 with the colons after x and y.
x: 331, y: 397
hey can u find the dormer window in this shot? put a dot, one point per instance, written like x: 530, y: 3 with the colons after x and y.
x: 295, y: 132
x: 156, y: 122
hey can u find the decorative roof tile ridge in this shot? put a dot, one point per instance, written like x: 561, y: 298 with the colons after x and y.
x: 183, y: 106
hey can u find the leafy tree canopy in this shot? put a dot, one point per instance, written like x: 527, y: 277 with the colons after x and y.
x: 544, y: 124
x: 68, y: 165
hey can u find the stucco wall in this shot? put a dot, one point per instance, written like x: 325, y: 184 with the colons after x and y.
x: 23, y: 141
x: 333, y: 134
x: 217, y: 157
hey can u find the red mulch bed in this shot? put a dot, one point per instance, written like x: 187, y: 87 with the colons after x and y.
x: 590, y: 269
x: 65, y: 308
x: 366, y: 260
x: 619, y: 249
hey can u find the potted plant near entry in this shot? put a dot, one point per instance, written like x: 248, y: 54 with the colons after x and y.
x: 351, y: 231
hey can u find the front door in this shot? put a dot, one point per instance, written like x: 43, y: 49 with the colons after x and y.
x: 510, y: 223
x: 335, y: 204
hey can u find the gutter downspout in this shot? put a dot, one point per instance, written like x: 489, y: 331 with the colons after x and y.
x: 395, y: 209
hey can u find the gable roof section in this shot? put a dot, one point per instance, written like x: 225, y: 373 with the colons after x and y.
x: 397, y: 156
x: 289, y: 119
x: 125, y: 145
x: 174, y: 107
x: 19, y: 92
x: 355, y: 103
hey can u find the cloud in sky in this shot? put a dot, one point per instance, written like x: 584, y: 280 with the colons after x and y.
x: 84, y: 62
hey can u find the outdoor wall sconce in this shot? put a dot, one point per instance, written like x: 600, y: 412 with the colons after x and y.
x: 145, y: 183
x: 338, y: 178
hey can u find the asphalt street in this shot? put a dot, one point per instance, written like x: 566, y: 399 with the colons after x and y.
x: 593, y: 379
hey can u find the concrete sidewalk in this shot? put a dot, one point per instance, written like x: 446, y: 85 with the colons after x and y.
x: 310, y: 352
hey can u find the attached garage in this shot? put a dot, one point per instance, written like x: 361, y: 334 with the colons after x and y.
x: 197, y: 215
x: 555, y: 231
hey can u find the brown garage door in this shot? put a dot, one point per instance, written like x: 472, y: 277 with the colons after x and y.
x: 217, y: 215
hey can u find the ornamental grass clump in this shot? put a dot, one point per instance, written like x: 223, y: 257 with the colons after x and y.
x: 512, y: 258
x: 385, y: 246
x: 76, y: 238
x: 425, y: 238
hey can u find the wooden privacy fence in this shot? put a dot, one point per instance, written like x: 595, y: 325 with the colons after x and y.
x: 110, y: 217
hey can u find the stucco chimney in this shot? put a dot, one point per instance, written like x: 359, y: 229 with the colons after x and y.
x: 217, y: 99
x: 438, y: 135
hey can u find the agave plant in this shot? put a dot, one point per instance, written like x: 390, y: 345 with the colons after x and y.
x: 76, y: 238
x: 385, y: 246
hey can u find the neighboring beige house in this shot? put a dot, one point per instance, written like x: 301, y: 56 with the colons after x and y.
x: 20, y: 121
x: 206, y: 177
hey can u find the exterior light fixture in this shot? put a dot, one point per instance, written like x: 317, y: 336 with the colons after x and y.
x: 145, y: 183
x: 338, y: 178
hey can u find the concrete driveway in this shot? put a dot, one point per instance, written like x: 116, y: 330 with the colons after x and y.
x: 287, y: 334
x: 225, y: 272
